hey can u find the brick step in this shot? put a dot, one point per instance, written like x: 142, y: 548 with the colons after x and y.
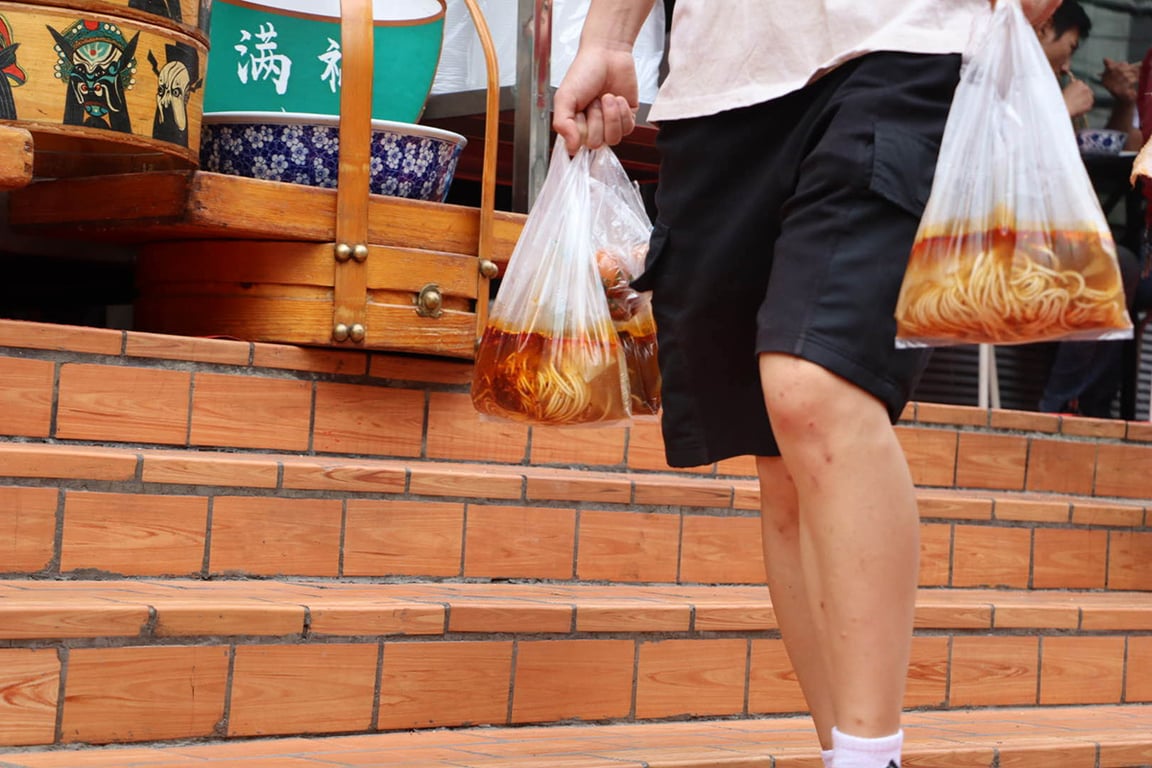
x: 90, y: 511
x: 1051, y: 737
x: 152, y: 660
x: 98, y: 386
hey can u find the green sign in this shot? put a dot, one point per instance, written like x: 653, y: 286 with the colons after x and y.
x: 270, y: 60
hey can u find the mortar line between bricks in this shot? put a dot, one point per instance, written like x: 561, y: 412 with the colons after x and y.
x: 343, y: 540
x: 191, y: 410
x: 747, y: 674
x: 313, y: 398
x: 54, y: 406
x: 377, y: 688
x: 464, y: 539
x: 206, y: 564
x: 226, y: 716
x: 512, y: 680
x: 635, y: 679
x: 1123, y: 666
x: 58, y: 535
x: 64, y: 656
x: 425, y: 424
x: 1039, y: 669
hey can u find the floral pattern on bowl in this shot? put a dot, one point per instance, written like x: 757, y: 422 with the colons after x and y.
x: 415, y: 162
x: 1101, y: 140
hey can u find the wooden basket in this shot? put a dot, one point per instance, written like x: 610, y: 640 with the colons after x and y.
x: 407, y: 290
x: 145, y: 118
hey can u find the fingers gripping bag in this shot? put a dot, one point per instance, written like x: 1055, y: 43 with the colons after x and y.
x: 550, y: 352
x: 1013, y: 246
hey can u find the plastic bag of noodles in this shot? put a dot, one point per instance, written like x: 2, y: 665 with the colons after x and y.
x: 550, y: 353
x: 620, y: 231
x: 1013, y: 246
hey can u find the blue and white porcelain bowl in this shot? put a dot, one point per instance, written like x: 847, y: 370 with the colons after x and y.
x: 408, y: 160
x: 1101, y: 140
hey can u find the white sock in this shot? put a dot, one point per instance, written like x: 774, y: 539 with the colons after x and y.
x: 826, y: 756
x: 857, y: 752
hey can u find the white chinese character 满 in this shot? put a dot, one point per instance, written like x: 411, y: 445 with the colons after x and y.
x: 266, y: 63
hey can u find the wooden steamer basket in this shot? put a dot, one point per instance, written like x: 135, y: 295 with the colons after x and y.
x: 101, y: 92
x: 187, y: 16
x: 418, y: 293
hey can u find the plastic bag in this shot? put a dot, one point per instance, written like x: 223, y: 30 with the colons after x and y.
x: 1013, y: 246
x: 620, y: 231
x: 551, y: 352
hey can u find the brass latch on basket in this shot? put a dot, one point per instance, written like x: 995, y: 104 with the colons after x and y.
x: 355, y: 332
x: 430, y: 301
x: 344, y: 252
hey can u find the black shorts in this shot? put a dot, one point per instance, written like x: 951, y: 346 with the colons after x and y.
x: 786, y: 227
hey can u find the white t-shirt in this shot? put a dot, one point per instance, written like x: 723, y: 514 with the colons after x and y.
x: 726, y: 54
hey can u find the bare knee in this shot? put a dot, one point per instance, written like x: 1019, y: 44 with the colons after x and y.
x: 808, y: 404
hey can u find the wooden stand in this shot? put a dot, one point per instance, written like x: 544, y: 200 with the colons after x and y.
x: 266, y: 261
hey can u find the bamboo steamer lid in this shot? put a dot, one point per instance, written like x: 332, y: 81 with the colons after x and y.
x: 187, y: 16
x: 99, y: 92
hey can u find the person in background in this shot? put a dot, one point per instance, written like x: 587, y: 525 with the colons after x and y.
x: 1060, y: 37
x: 1144, y: 112
x: 798, y: 141
x: 1085, y: 376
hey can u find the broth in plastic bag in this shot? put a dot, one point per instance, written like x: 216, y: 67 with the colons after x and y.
x: 1004, y: 286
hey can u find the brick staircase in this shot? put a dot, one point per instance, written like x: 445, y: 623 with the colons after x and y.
x: 215, y: 552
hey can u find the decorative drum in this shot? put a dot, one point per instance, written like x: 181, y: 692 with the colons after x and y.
x: 100, y: 93
x: 285, y: 56
x: 188, y: 16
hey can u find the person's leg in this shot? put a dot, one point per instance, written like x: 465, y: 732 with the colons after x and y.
x: 1085, y: 376
x: 789, y: 565
x: 1102, y: 387
x: 857, y: 511
x: 1067, y: 378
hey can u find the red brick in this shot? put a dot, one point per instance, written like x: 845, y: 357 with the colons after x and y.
x: 26, y: 397
x: 359, y: 419
x: 126, y: 404
x: 251, y: 412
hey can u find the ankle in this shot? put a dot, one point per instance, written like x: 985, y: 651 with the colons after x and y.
x: 859, y: 752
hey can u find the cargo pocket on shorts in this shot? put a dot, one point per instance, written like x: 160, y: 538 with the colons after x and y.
x: 903, y: 166
x: 656, y: 245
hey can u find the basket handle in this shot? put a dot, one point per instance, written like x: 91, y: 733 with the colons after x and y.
x: 487, y: 266
x: 350, y: 251
x: 351, y: 286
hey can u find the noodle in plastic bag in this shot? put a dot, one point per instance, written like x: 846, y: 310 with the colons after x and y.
x: 1013, y: 246
x: 550, y: 352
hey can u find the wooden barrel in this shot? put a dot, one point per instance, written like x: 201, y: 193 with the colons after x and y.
x: 101, y: 93
x: 187, y: 16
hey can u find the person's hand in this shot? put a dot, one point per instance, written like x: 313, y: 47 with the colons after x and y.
x: 596, y: 102
x: 1078, y: 97
x: 1120, y: 79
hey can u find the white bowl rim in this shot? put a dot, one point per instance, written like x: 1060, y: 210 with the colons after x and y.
x: 383, y: 11
x: 308, y: 118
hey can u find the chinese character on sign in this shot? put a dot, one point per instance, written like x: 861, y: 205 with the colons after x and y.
x: 331, y: 59
x: 265, y: 63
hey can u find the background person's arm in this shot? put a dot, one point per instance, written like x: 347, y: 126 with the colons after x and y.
x: 1121, y: 79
